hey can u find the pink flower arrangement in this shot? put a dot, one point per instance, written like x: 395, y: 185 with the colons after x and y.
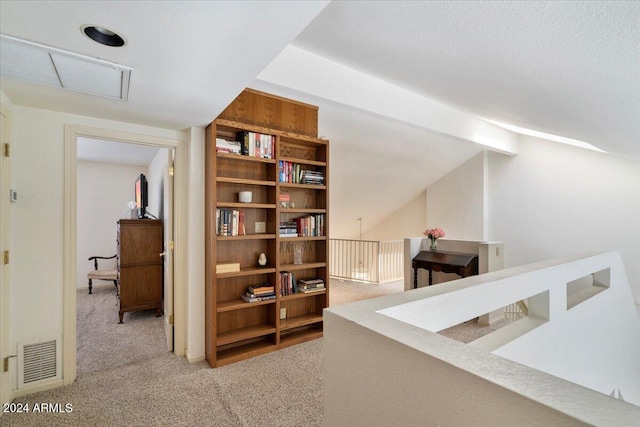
x: 434, y: 233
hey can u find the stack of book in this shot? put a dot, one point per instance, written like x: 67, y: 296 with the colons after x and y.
x: 288, y: 229
x: 289, y: 172
x: 257, y: 293
x: 257, y: 144
x: 288, y: 284
x: 306, y: 286
x: 312, y: 177
x: 230, y: 222
x: 310, y: 225
x: 224, y: 146
x: 227, y: 267
x: 293, y: 173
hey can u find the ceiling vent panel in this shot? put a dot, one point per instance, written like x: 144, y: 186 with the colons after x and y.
x: 87, y: 76
x: 27, y: 62
x: 49, y: 66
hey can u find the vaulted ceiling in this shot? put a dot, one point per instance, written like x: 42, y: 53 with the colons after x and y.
x: 564, y: 68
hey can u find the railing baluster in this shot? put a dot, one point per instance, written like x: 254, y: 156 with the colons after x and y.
x: 364, y: 260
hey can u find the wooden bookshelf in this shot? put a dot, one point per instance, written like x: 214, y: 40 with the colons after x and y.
x: 235, y: 329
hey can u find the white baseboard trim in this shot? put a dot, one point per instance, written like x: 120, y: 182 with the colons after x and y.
x: 195, y: 359
x: 37, y: 388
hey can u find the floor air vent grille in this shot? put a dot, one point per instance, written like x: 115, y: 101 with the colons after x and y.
x: 38, y: 362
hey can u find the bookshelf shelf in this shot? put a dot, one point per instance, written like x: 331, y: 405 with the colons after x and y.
x: 248, y: 237
x: 245, y: 181
x: 295, y: 211
x: 293, y: 137
x: 244, y: 158
x: 295, y: 322
x: 302, y: 295
x: 242, y: 334
x: 305, y: 266
x: 300, y: 336
x: 306, y: 186
x: 286, y: 131
x: 236, y: 354
x: 245, y: 205
x: 302, y: 239
x: 303, y: 161
x: 239, y: 304
x: 246, y: 272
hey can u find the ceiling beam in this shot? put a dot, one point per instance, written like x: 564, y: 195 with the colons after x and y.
x: 306, y: 72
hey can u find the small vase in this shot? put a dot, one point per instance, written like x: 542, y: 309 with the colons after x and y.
x: 433, y: 245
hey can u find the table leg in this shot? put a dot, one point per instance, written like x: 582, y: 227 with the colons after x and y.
x: 430, y: 277
x: 415, y: 278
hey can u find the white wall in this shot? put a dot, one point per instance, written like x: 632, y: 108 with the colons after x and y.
x: 406, y: 221
x: 456, y: 203
x: 37, y: 219
x: 158, y: 169
x: 195, y: 298
x: 103, y: 192
x: 553, y: 200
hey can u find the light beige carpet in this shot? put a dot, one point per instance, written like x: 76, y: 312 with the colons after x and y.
x: 103, y: 344
x: 130, y: 380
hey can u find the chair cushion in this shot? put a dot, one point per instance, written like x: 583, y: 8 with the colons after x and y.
x: 103, y: 274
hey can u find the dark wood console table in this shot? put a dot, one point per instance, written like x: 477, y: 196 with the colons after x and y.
x: 448, y: 262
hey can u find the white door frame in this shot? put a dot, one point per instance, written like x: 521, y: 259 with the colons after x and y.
x: 167, y: 264
x: 71, y: 133
x: 5, y: 178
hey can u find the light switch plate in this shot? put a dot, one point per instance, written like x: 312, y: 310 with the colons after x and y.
x: 261, y: 227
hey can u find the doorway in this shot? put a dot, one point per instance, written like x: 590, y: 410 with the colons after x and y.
x: 107, y: 172
x: 171, y: 312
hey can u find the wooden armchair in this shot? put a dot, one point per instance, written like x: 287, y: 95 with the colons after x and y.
x: 101, y: 274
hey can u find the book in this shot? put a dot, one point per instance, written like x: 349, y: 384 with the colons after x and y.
x: 260, y: 289
x: 227, y: 267
x: 310, y: 225
x: 308, y: 291
x: 225, y: 146
x: 288, y: 284
x: 311, y: 281
x: 319, y: 285
x: 260, y: 295
x: 254, y: 144
x: 257, y: 299
x: 230, y: 222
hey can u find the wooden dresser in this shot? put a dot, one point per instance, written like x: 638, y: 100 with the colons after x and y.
x: 140, y: 265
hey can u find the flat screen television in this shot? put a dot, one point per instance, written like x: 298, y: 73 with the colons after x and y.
x: 142, y: 197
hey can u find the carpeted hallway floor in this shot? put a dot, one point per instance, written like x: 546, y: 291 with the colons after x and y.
x: 127, y: 378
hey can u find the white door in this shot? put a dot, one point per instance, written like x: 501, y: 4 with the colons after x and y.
x: 167, y: 215
x: 5, y: 383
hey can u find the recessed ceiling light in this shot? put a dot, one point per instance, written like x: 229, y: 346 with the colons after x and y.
x: 102, y: 35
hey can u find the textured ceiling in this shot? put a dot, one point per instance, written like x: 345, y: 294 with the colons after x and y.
x: 566, y: 68
x: 189, y: 59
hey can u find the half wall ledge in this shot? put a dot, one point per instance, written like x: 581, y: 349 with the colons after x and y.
x: 385, y: 363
